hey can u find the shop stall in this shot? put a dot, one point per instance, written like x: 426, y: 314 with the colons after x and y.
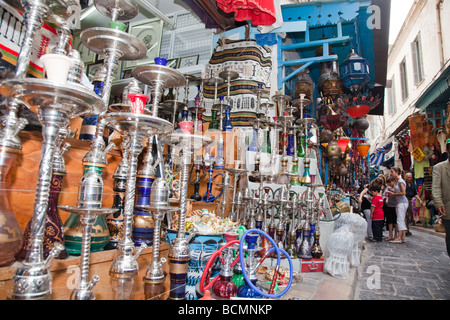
x: 129, y: 173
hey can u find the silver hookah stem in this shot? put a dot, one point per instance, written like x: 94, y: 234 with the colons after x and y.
x: 84, y: 290
x: 183, y: 193
x: 125, y: 265
x: 111, y: 62
x: 134, y: 151
x: 155, y: 272
x: 33, y: 21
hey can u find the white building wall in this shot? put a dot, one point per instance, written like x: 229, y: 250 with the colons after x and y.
x: 422, y: 18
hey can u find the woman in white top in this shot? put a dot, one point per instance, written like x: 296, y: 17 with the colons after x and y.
x: 402, y: 204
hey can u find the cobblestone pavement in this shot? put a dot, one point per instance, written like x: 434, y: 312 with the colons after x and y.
x: 416, y: 270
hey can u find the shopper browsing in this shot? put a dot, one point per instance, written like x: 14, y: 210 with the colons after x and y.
x: 402, y: 204
x: 377, y: 214
x: 389, y: 213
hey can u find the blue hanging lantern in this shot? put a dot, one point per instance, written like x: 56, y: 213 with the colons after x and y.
x: 355, y: 72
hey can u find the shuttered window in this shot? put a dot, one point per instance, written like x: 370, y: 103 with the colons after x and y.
x: 392, y: 108
x: 404, y: 80
x: 417, y: 60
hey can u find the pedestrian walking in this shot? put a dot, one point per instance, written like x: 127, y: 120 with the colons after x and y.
x: 411, y: 193
x: 440, y: 191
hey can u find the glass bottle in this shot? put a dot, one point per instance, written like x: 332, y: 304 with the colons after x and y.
x: 54, y: 231
x: 143, y: 224
x: 316, y: 250
x: 115, y: 221
x: 72, y: 227
x: 306, y: 179
x: 305, y: 247
x: 227, y: 124
x: 290, y: 144
x: 89, y: 124
x: 224, y: 288
x: 169, y: 96
x: 266, y: 146
x: 10, y: 233
x: 214, y: 124
x: 238, y: 277
x: 254, y: 144
x: 295, y: 180
x: 301, y: 146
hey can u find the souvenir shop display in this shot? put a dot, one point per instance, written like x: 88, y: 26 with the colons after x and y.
x: 180, y: 198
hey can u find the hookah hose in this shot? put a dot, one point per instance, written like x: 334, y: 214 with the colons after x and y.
x: 208, y: 266
x: 211, y: 260
x: 275, y: 274
x: 206, y: 197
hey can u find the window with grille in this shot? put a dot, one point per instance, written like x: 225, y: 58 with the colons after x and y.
x: 417, y: 59
x: 404, y: 80
x: 188, y: 38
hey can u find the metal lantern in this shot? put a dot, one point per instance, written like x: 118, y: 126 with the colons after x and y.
x: 361, y: 124
x: 304, y: 85
x: 329, y: 81
x: 355, y: 72
x: 331, y: 117
x: 333, y: 150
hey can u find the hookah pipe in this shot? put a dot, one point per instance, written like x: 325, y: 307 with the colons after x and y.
x: 251, y: 245
x: 196, y: 196
x: 208, y: 196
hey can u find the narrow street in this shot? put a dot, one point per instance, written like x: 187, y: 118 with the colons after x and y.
x: 416, y: 270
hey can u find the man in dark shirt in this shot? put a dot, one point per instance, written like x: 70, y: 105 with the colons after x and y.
x: 411, y: 193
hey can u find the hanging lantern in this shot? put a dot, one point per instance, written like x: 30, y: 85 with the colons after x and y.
x: 331, y: 117
x: 361, y: 125
x: 358, y: 106
x: 343, y: 143
x: 333, y: 150
x: 329, y: 82
x: 326, y: 136
x: 304, y: 85
x: 363, y: 149
x: 355, y: 72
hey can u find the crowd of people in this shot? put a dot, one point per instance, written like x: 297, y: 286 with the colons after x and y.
x: 392, y: 201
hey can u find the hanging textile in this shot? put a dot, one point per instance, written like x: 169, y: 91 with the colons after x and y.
x: 259, y: 12
x: 422, y: 131
x: 13, y: 32
x: 253, y: 63
x: 405, y: 155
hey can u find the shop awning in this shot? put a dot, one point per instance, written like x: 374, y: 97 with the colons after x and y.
x: 438, y: 93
